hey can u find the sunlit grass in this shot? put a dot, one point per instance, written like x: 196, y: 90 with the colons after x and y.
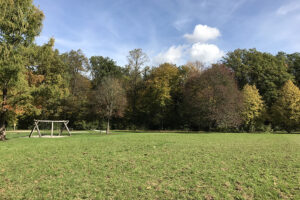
x: 90, y: 165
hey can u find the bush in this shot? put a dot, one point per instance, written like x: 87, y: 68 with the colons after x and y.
x: 84, y: 125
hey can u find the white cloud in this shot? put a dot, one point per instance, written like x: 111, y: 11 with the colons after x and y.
x: 288, y: 8
x: 197, y: 51
x: 205, y: 53
x: 202, y: 33
x: 173, y: 55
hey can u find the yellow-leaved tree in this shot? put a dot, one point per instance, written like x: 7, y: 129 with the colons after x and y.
x: 253, y: 107
x: 286, y: 110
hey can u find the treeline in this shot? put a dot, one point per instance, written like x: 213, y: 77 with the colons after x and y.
x: 247, y: 91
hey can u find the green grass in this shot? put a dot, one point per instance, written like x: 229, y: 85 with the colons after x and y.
x: 151, y: 166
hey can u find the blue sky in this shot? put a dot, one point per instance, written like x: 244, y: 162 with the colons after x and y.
x: 175, y: 31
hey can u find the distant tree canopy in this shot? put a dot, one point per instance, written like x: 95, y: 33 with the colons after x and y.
x: 77, y: 64
x: 157, y: 96
x: 293, y: 63
x: 136, y: 60
x: 213, y: 100
x: 167, y: 96
x: 102, y: 67
x: 264, y: 70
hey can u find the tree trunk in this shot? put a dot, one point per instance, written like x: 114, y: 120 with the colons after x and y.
x: 3, y: 115
x: 2, y: 133
x: 107, y: 127
x: 134, y: 119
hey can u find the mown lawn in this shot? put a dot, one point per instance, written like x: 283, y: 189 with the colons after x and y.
x: 151, y: 166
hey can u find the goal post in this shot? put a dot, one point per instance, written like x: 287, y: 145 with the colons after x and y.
x: 37, y: 122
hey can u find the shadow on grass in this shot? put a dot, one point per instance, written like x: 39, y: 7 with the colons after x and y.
x: 286, y: 133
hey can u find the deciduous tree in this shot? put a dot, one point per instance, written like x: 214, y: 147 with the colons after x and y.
x: 159, y: 94
x: 286, y: 110
x: 253, y: 107
x: 212, y: 100
x: 20, y: 22
x: 111, y: 99
x: 136, y: 60
x: 54, y: 87
x: 195, y: 66
x: 264, y: 70
x: 293, y: 63
x: 102, y: 67
x: 76, y: 64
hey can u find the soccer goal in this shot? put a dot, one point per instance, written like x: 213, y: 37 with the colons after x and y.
x: 63, y: 125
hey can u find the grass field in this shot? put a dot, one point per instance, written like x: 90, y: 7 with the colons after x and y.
x: 151, y: 166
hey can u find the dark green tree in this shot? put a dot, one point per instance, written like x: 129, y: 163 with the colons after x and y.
x: 264, y: 70
x: 103, y: 67
x: 293, y: 63
x: 76, y: 64
x: 76, y: 105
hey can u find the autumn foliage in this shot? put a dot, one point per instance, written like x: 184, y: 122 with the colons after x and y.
x: 253, y: 107
x: 286, y: 110
x: 212, y: 100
